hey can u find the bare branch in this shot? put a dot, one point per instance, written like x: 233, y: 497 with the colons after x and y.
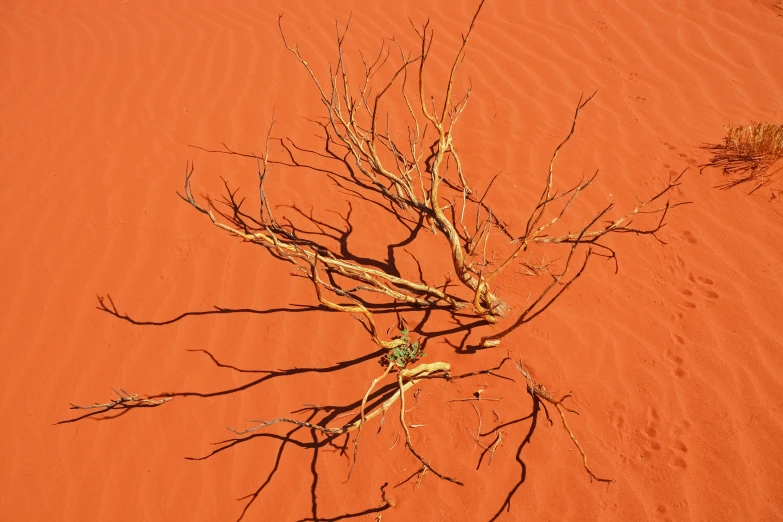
x: 539, y: 391
x: 123, y: 400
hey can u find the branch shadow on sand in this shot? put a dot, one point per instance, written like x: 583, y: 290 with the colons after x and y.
x: 295, y: 437
x: 301, y: 438
x: 298, y: 437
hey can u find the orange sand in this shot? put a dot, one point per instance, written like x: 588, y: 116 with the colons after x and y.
x: 675, y: 362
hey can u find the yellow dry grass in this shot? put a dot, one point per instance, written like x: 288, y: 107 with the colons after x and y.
x: 749, y: 154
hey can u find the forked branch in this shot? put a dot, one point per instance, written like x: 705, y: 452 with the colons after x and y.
x: 539, y: 392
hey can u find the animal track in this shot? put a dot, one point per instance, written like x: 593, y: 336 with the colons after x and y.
x: 678, y: 449
x: 618, y: 415
x: 680, y: 261
x: 698, y: 283
x: 678, y: 361
x: 689, y: 237
x: 652, y: 429
x: 688, y: 159
x: 679, y: 463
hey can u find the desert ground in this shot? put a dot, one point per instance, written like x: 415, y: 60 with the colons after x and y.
x: 111, y: 281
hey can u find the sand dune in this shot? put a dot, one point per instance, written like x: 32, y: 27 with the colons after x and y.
x: 674, y: 362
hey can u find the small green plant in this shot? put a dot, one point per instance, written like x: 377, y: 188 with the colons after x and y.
x: 407, y: 352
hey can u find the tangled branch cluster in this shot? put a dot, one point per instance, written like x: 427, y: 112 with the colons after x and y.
x: 416, y: 180
x: 413, y: 176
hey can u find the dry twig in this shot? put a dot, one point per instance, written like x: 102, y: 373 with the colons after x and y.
x: 539, y: 392
x: 406, y: 378
x: 123, y: 400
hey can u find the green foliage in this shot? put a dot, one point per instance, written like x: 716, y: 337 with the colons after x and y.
x: 407, y: 352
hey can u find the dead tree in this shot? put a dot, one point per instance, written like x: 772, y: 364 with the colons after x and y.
x: 413, y: 176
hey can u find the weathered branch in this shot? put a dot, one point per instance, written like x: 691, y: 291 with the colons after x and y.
x: 538, y: 391
x: 123, y: 400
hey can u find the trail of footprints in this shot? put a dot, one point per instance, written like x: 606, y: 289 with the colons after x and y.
x: 658, y: 441
x: 698, y: 286
x: 677, y: 360
x: 677, y: 453
x: 677, y: 448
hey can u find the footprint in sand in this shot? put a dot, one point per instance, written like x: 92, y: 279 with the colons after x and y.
x: 618, y: 419
x: 678, y: 449
x: 699, y: 286
x: 689, y: 237
x: 678, y: 463
x: 662, y: 511
x: 678, y: 361
x: 702, y: 284
x: 651, y: 430
x: 680, y: 261
x: 687, y: 159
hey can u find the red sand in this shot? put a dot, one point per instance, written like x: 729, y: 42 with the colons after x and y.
x: 675, y: 362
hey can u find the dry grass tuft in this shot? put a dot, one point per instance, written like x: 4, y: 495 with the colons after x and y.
x: 749, y: 154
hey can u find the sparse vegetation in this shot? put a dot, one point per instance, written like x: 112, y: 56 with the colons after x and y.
x: 406, y: 353
x: 749, y: 155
